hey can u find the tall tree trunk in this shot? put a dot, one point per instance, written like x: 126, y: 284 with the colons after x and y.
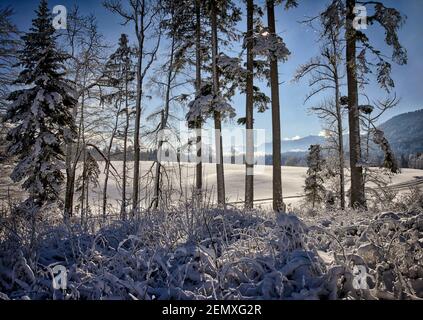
x: 135, y: 186
x: 84, y: 174
x: 340, y: 146
x: 249, y: 158
x: 335, y: 41
x: 137, y: 148
x: 199, y: 166
x: 358, y: 198
x: 87, y: 204
x: 70, y: 186
x: 70, y: 158
x: 125, y: 150
x: 367, y: 147
x: 163, y: 124
x: 217, y: 115
x: 107, y: 165
x: 70, y: 183
x: 278, y: 204
x: 157, y: 177
x: 84, y: 157
x: 70, y: 175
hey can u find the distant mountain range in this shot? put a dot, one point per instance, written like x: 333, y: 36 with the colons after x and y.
x: 404, y: 132
x: 298, y: 145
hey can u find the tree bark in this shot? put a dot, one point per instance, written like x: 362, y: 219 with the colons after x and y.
x: 70, y: 186
x: 358, y: 198
x: 335, y: 43
x: 84, y: 158
x: 163, y: 123
x: 278, y: 204
x: 125, y: 147
x: 137, y: 149
x: 199, y: 166
x: 249, y: 159
x: 217, y: 116
x: 340, y: 145
x: 70, y: 176
x: 107, y: 165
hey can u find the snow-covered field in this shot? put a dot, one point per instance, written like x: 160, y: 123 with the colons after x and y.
x: 292, y: 180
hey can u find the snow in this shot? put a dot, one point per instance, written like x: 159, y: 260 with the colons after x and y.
x: 203, y: 106
x: 231, y: 66
x: 223, y: 254
x: 292, y: 181
x: 226, y: 255
x: 270, y: 45
x: 205, y: 253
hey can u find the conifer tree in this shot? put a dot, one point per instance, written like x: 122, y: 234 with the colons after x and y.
x: 314, y: 188
x: 9, y: 44
x: 41, y: 118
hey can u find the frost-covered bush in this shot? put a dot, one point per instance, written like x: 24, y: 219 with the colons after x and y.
x: 221, y: 254
x: 199, y: 253
x: 387, y: 246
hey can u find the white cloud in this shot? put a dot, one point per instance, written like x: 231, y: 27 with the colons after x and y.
x: 323, y: 133
x: 292, y: 139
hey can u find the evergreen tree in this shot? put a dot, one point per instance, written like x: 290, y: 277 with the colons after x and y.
x: 9, y: 44
x: 90, y: 174
x: 213, y: 94
x: 314, y: 189
x: 40, y: 113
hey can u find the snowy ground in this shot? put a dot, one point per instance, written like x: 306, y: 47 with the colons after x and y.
x: 216, y: 254
x: 292, y: 180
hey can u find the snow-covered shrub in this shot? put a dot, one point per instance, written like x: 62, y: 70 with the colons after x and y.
x: 206, y: 253
x: 226, y: 254
x: 385, y: 247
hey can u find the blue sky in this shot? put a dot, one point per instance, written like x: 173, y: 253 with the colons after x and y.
x: 301, y: 41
